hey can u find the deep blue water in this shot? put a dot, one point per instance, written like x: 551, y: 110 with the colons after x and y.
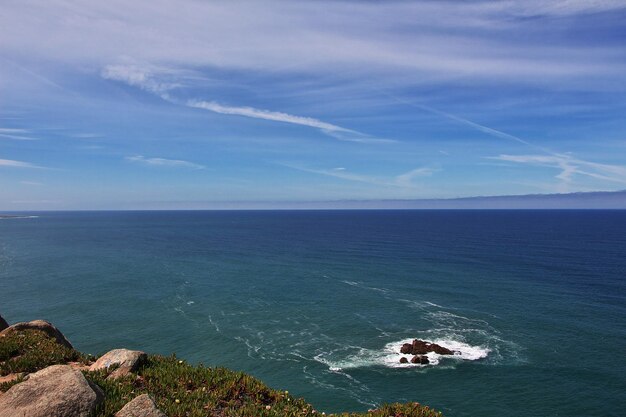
x: 316, y: 301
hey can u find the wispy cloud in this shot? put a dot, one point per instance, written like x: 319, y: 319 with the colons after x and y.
x: 330, y: 129
x: 411, y: 38
x: 570, y: 166
x: 143, y: 77
x: 463, y: 121
x: 404, y: 180
x: 35, y: 183
x: 87, y: 135
x: 9, y: 163
x: 162, y: 162
x: 267, y: 115
x: 150, y: 80
x: 17, y: 134
x: 407, y: 179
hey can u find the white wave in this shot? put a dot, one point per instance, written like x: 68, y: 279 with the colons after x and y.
x: 214, y: 323
x: 390, y: 355
x: 365, y: 287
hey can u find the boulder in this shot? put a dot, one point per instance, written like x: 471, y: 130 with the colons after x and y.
x: 404, y: 360
x: 406, y: 349
x: 420, y: 360
x: 3, y: 324
x: 42, y: 326
x: 440, y: 350
x: 126, y: 361
x: 141, y: 406
x: 421, y: 347
x: 56, y: 391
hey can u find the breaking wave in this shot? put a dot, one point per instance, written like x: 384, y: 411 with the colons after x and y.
x: 389, y: 356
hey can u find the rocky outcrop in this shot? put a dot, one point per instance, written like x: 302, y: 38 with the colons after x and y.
x: 56, y: 391
x: 404, y: 360
x: 420, y: 347
x: 42, y: 326
x: 3, y: 324
x: 141, y: 406
x: 125, y: 360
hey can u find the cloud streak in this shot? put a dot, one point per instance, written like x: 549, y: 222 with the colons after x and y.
x: 267, y: 115
x: 570, y: 166
x: 163, y: 162
x: 16, y: 134
x: 149, y: 80
x: 9, y: 163
x: 404, y: 180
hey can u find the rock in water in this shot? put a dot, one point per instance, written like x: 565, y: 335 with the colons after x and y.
x: 406, y: 349
x: 440, y: 350
x: 3, y: 324
x: 404, y: 360
x: 126, y: 360
x: 420, y: 359
x: 42, y: 326
x: 56, y: 391
x: 420, y: 347
x: 141, y: 406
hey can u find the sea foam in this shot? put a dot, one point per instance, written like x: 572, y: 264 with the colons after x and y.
x: 389, y: 356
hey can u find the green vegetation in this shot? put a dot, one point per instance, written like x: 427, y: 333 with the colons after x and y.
x: 31, y: 350
x: 178, y: 388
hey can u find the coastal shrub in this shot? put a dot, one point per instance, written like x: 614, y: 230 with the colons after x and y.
x: 32, y: 350
x: 182, y: 390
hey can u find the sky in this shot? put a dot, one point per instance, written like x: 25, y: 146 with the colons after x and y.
x: 189, y: 103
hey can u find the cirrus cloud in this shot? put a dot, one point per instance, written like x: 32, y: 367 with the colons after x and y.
x: 163, y: 162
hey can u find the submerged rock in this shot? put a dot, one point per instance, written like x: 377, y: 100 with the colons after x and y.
x: 56, y: 391
x: 126, y: 361
x: 42, y: 326
x: 141, y: 406
x: 421, y: 347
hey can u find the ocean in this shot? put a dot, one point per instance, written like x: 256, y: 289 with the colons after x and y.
x: 319, y: 302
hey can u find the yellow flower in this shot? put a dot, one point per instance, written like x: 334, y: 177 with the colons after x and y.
x: 177, y: 401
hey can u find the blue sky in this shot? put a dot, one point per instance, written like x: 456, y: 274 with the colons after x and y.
x: 180, y: 104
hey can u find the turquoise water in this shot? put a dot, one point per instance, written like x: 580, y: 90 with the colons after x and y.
x: 317, y: 302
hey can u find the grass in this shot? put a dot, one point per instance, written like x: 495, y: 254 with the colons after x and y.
x: 178, y: 388
x: 30, y: 350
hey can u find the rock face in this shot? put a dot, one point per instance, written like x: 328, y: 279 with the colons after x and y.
x: 40, y: 325
x: 3, y: 324
x: 420, y: 347
x: 141, y: 406
x: 56, y: 391
x: 126, y: 360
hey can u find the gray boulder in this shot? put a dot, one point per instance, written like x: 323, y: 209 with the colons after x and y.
x: 56, y: 391
x: 42, y: 326
x: 126, y: 360
x: 142, y: 406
